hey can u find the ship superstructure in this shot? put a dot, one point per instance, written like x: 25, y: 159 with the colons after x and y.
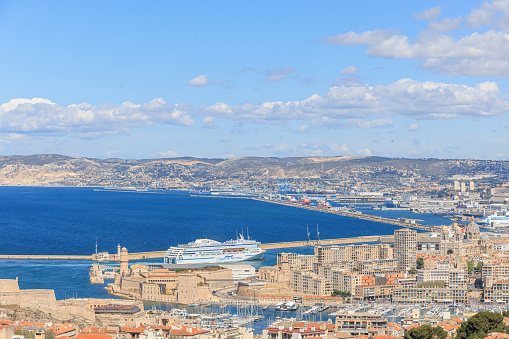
x: 208, y: 251
x: 496, y: 220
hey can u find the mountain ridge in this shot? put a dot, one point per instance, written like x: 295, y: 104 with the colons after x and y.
x: 56, y: 169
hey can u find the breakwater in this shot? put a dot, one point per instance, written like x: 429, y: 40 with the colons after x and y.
x: 160, y: 254
x: 356, y: 214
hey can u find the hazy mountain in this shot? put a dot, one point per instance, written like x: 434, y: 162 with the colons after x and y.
x: 54, y: 169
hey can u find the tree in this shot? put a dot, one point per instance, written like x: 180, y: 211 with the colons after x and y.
x: 420, y: 262
x: 344, y: 294
x: 470, y: 266
x: 479, y: 325
x: 426, y: 332
x: 479, y: 266
x: 412, y: 271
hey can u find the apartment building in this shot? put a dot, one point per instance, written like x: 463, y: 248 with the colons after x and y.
x: 297, y: 261
x: 310, y: 283
x: 494, y: 271
x: 362, y: 252
x: 412, y: 295
x: 405, y: 248
x: 451, y: 277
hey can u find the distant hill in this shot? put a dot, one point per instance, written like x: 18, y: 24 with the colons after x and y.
x: 54, y: 169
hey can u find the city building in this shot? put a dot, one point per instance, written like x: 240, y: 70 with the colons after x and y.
x: 310, y: 283
x: 359, y: 323
x: 412, y: 295
x: 405, y: 248
x: 362, y: 252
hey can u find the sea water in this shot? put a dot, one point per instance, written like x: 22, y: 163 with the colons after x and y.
x: 61, y: 220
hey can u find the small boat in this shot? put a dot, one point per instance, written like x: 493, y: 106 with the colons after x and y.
x: 289, y: 306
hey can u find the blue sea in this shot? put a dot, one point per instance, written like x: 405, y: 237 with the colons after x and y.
x: 58, y: 220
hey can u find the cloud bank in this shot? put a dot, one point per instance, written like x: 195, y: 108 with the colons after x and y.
x: 41, y: 116
x: 475, y: 54
x: 350, y: 105
x: 406, y: 97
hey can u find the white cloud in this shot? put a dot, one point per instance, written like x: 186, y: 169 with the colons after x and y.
x: 209, y: 122
x: 405, y: 97
x: 303, y: 128
x: 349, y: 70
x: 371, y: 124
x: 358, y: 105
x: 110, y: 153
x: 41, y: 116
x: 167, y: 154
x: 365, y: 151
x: 199, y: 81
x: 490, y: 13
x: 339, y: 148
x: 365, y: 38
x: 446, y: 25
x: 226, y: 139
x: 481, y: 53
x: 278, y: 74
x: 281, y: 148
x: 429, y: 14
x: 8, y: 137
x: 17, y: 136
x: 414, y: 127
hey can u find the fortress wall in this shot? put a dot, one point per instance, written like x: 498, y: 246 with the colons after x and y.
x: 218, y: 279
x: 128, y: 285
x: 9, y: 285
x: 29, y: 298
x: 78, y: 310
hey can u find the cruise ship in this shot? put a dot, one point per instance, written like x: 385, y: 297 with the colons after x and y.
x: 496, y: 220
x: 208, y: 251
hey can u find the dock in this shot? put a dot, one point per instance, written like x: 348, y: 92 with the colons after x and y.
x: 357, y: 215
x: 132, y: 256
x: 327, y: 242
x: 160, y: 254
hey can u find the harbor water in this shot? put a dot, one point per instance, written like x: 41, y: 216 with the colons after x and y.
x: 51, y: 220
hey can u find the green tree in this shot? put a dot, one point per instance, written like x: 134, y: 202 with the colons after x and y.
x: 412, y: 271
x: 470, y: 266
x: 420, y: 263
x: 344, y: 294
x: 479, y: 266
x: 479, y: 325
x: 426, y: 332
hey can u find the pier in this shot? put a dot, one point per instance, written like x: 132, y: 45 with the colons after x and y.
x: 357, y: 215
x: 327, y: 242
x: 160, y: 254
x: 132, y: 256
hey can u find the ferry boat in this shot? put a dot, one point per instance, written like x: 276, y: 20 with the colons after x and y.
x: 304, y: 201
x: 291, y: 199
x: 289, y: 306
x: 391, y: 203
x: 208, y: 251
x: 496, y: 220
x: 323, y: 204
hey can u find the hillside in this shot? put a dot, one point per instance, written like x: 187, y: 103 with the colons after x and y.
x: 54, y: 169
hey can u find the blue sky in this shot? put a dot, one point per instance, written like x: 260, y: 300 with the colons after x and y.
x: 266, y: 78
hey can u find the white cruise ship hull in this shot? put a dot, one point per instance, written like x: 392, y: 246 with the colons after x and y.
x: 228, y: 258
x: 207, y: 251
